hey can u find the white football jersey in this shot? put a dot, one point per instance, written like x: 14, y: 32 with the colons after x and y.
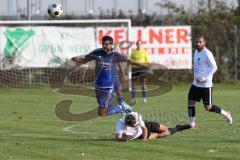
x: 204, y: 66
x: 135, y: 131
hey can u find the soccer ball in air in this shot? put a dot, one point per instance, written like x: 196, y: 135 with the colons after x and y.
x: 55, y: 10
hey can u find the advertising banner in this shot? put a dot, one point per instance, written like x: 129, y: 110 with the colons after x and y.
x: 170, y: 46
x: 44, y: 46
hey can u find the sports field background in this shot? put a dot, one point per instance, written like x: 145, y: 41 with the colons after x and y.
x: 30, y: 130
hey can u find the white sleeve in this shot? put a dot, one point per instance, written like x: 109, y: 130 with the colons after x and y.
x: 140, y: 120
x: 120, y: 126
x: 212, y: 64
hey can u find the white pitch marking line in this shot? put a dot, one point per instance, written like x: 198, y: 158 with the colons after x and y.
x: 69, y: 129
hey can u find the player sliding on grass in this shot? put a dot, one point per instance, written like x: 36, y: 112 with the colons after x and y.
x: 204, y: 68
x: 133, y: 127
x: 105, y: 58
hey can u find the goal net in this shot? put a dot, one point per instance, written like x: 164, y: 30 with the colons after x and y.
x: 34, y: 52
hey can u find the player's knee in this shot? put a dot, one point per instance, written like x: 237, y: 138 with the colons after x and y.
x: 208, y: 107
x: 102, y: 112
x: 163, y: 128
x: 166, y: 131
x: 191, y: 102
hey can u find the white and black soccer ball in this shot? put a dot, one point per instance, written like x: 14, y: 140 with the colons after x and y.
x: 55, y: 10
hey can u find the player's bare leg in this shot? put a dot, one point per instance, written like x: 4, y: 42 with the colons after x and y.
x: 164, y: 131
x: 119, y: 95
x: 155, y: 135
x: 217, y: 109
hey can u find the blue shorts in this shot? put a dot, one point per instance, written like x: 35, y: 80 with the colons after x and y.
x: 117, y: 84
x: 104, y: 96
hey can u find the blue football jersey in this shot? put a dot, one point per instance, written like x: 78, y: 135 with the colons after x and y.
x: 115, y: 70
x: 105, y: 68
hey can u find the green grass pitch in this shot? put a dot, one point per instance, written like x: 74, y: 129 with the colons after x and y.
x: 29, y: 129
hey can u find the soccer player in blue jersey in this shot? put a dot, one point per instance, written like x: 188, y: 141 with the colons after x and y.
x: 105, y: 59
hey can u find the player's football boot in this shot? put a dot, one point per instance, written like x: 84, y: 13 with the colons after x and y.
x: 229, y: 118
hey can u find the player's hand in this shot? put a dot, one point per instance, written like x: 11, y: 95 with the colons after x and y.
x: 126, y: 137
x: 75, y: 59
x: 144, y: 140
x: 123, y: 78
x: 130, y: 137
x: 145, y: 66
x: 201, y: 79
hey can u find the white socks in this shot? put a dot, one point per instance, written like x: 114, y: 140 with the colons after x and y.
x: 224, y: 113
x: 192, y: 121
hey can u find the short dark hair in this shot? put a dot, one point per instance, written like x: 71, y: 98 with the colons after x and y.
x: 200, y: 36
x: 129, y: 119
x: 107, y: 38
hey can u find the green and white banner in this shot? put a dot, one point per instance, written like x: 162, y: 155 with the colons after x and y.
x: 44, y: 46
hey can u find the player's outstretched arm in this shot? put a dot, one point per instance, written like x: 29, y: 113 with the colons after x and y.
x: 123, y: 137
x: 78, y: 59
x: 145, y: 132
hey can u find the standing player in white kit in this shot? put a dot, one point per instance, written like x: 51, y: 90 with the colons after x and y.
x: 204, y: 68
